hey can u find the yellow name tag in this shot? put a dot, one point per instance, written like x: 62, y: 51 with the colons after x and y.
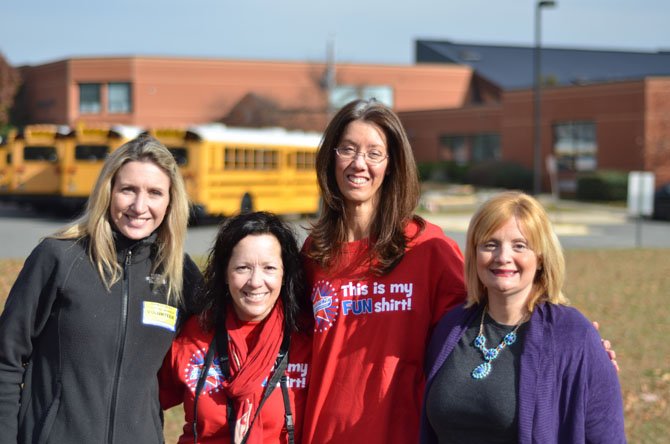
x: 160, y: 315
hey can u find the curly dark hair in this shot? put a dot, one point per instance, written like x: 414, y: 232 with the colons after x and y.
x: 212, y: 302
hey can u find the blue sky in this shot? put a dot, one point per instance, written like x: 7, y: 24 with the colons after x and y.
x: 364, y: 31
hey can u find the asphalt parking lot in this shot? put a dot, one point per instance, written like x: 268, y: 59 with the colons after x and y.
x: 578, y: 225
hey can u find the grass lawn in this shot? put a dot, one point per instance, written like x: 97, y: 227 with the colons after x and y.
x: 627, y: 291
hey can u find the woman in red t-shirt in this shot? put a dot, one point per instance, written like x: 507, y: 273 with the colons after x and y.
x: 380, y: 278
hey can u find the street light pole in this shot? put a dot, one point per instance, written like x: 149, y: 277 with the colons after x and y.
x: 537, y: 86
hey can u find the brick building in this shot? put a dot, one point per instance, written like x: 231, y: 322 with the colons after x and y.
x: 152, y: 91
x: 606, y: 110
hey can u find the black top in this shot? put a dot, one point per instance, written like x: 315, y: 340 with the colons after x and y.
x: 87, y: 356
x: 462, y: 409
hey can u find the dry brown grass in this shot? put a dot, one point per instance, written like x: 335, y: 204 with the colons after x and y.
x: 627, y: 291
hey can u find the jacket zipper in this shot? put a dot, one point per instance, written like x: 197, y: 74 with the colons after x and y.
x: 124, y: 327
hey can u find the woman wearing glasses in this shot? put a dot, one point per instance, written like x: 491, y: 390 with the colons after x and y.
x: 380, y: 277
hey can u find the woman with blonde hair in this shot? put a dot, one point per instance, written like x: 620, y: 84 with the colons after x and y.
x: 515, y: 363
x: 95, y: 308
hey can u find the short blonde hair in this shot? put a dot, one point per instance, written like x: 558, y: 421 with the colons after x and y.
x: 536, y: 227
x: 95, y: 222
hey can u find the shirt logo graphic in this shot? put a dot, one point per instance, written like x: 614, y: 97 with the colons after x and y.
x: 325, y: 305
x: 193, y: 369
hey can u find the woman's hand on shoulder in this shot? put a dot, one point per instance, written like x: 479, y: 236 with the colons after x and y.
x: 607, y: 345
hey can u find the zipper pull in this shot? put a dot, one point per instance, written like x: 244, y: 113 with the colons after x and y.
x: 128, y: 256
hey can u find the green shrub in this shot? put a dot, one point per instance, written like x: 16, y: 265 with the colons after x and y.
x: 603, y: 185
x: 442, y: 171
x: 425, y: 170
x: 497, y: 174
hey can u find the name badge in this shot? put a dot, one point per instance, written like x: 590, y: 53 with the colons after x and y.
x: 160, y: 315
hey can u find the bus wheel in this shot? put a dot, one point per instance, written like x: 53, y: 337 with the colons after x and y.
x: 247, y: 204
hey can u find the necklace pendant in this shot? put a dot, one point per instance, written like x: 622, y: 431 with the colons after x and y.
x: 510, y: 338
x: 482, y: 370
x: 491, y: 354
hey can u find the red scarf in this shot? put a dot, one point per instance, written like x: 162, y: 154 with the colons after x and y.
x: 249, y: 368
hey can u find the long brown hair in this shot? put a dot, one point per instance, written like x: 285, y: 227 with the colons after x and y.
x: 399, y: 193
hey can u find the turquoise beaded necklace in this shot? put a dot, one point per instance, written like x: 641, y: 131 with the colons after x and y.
x: 490, y: 354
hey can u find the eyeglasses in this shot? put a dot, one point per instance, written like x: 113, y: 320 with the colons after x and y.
x: 373, y: 157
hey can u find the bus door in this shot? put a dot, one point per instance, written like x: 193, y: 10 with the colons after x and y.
x: 34, y: 161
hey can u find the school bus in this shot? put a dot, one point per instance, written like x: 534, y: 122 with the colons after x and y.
x: 230, y: 170
x: 83, y: 155
x: 33, y: 169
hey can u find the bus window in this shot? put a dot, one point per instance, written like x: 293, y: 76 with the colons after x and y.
x: 265, y: 160
x: 91, y: 152
x: 230, y: 158
x: 36, y: 153
x: 239, y: 159
x: 305, y: 160
x: 180, y: 155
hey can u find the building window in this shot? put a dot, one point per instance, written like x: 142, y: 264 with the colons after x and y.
x: 454, y: 148
x: 340, y: 95
x: 89, y: 98
x: 470, y: 147
x: 119, y: 98
x: 575, y: 146
x: 485, y: 147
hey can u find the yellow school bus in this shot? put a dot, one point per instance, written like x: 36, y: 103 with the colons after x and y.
x: 83, y: 156
x: 230, y: 170
x: 34, y: 168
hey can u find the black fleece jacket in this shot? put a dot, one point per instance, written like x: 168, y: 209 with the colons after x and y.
x: 78, y: 363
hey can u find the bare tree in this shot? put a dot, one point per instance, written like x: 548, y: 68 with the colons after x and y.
x: 9, y: 84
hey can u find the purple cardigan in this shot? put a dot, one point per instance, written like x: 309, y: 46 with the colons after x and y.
x: 568, y: 390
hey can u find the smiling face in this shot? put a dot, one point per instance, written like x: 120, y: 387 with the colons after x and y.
x: 358, y: 180
x: 140, y: 198
x: 254, y: 276
x: 506, y: 265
